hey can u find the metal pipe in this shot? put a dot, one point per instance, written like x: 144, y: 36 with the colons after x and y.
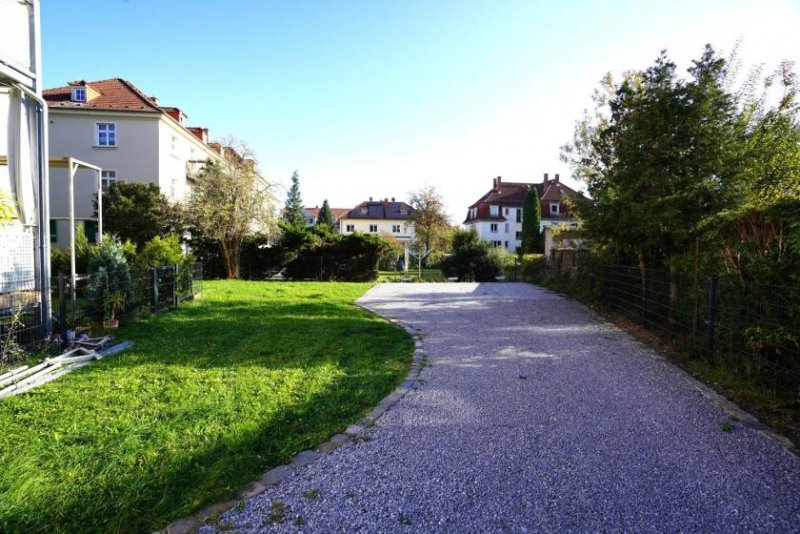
x: 43, y: 209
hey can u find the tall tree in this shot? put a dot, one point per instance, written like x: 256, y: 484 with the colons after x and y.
x: 325, y: 216
x: 531, y: 222
x: 294, y: 213
x: 229, y: 201
x: 431, y: 224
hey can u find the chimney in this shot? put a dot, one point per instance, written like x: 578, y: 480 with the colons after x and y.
x: 392, y: 199
x: 556, y: 180
x: 154, y: 100
x: 370, y: 199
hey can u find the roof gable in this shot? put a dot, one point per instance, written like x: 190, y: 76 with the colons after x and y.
x: 114, y: 94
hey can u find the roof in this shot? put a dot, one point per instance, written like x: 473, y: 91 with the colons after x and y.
x: 115, y: 94
x: 380, y: 209
x: 338, y: 213
x: 512, y: 195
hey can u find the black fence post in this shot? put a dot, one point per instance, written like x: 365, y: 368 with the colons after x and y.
x: 174, y: 286
x: 713, y: 298
x: 62, y: 306
x: 154, y: 280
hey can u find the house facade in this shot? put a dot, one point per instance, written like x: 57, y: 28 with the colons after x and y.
x: 387, y: 217
x: 24, y: 242
x: 497, y: 215
x: 113, y: 125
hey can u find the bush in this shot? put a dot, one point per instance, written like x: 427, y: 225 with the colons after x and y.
x: 109, y: 274
x: 472, y: 258
x: 161, y: 251
x: 534, y: 267
x: 60, y: 257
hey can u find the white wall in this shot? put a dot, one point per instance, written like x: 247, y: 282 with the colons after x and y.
x: 384, y: 227
x: 176, y: 148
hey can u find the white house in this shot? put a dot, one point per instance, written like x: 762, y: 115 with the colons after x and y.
x: 497, y: 215
x: 113, y: 125
x: 383, y: 217
x: 24, y: 251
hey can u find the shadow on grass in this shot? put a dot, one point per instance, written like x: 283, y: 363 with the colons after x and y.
x: 210, y: 396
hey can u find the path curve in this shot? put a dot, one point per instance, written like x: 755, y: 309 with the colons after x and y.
x: 534, y: 415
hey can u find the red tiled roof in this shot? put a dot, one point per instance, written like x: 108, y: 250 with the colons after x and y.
x: 338, y: 213
x: 512, y: 194
x: 115, y: 94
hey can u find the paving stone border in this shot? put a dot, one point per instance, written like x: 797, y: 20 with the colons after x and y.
x: 274, y: 476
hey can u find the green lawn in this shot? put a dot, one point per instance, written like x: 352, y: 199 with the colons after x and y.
x: 209, y: 397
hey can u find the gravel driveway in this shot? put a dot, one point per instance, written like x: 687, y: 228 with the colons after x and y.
x: 534, y: 415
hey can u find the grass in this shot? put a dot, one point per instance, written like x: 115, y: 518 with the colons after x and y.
x: 210, y: 396
x: 428, y: 275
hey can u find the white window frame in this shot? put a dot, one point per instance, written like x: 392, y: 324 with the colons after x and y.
x: 373, y: 228
x: 395, y: 228
x: 106, y: 181
x: 557, y: 210
x: 97, y: 135
x: 494, y: 211
x: 350, y: 228
x: 493, y: 228
x: 76, y: 91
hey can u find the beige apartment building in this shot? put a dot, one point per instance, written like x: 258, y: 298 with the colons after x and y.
x: 384, y: 217
x: 115, y: 126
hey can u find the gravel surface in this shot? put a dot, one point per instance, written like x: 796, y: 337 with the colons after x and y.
x: 534, y: 415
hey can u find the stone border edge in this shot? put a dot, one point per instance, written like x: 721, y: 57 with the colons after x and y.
x: 274, y: 476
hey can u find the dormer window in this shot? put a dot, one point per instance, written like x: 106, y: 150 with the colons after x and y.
x: 79, y: 94
x: 554, y: 208
x: 363, y: 211
x: 494, y: 211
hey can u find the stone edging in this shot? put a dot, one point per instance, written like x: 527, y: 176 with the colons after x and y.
x: 274, y: 476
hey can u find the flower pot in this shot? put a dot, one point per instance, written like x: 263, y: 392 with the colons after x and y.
x: 110, y: 323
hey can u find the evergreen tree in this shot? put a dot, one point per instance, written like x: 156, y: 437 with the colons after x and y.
x: 294, y: 213
x: 531, y: 221
x: 325, y: 217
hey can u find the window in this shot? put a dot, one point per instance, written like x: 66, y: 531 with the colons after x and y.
x: 53, y: 230
x: 363, y: 211
x: 351, y: 228
x: 505, y: 211
x: 79, y: 94
x: 505, y: 244
x: 497, y: 244
x: 519, y: 236
x: 373, y: 228
x: 90, y: 229
x: 106, y: 134
x: 395, y: 228
x: 519, y: 216
x: 494, y: 211
x: 506, y: 228
x: 554, y: 207
x: 403, y: 211
x: 493, y: 227
x: 108, y: 177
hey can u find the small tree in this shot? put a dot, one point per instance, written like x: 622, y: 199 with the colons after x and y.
x: 325, y: 217
x: 137, y: 212
x: 294, y: 213
x: 228, y: 202
x: 431, y: 224
x: 531, y: 221
x: 472, y: 258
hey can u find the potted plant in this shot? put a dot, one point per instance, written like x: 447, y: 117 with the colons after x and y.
x: 114, y: 304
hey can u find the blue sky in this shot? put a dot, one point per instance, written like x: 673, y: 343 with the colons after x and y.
x: 379, y: 98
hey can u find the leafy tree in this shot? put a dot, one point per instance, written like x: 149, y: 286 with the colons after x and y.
x: 137, y: 212
x: 431, y: 224
x: 325, y: 217
x: 294, y: 213
x: 110, y: 274
x: 471, y: 258
x: 161, y: 251
x: 531, y: 222
x: 228, y: 202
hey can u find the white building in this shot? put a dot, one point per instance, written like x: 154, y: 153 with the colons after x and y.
x: 24, y: 250
x: 112, y: 124
x: 497, y: 215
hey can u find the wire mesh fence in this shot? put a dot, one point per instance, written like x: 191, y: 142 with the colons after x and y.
x: 751, y: 327
x: 88, y: 303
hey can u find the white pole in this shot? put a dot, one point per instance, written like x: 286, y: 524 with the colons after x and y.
x: 99, y: 206
x: 72, y: 276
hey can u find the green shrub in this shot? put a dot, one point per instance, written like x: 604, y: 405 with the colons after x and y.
x: 109, y: 274
x: 160, y: 251
x: 60, y: 257
x: 534, y: 267
x: 472, y: 258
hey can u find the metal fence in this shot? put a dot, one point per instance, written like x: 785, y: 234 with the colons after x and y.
x: 750, y: 327
x: 84, y: 305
